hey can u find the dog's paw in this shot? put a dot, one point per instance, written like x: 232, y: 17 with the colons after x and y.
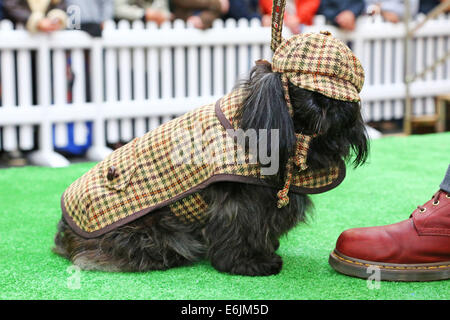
x: 259, y: 266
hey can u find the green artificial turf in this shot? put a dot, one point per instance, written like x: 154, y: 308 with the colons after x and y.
x: 402, y: 172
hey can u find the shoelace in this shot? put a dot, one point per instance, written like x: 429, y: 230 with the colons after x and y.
x: 436, y: 198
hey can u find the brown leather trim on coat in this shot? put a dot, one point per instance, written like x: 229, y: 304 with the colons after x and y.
x: 201, y: 186
x: 342, y: 169
x: 221, y: 116
x: 217, y: 178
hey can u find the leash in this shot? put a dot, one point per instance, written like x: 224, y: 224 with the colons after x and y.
x: 277, y: 23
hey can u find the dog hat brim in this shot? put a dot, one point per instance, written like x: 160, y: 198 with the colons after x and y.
x: 331, y: 87
x: 321, y: 63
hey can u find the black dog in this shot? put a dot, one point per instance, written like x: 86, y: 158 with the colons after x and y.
x: 244, y: 225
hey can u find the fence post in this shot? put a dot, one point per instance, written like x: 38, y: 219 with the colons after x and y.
x: 152, y: 74
x: 98, y: 151
x: 138, y: 70
x: 111, y: 86
x: 45, y: 156
x: 218, y: 66
x: 407, y: 57
x: 25, y: 94
x: 8, y: 89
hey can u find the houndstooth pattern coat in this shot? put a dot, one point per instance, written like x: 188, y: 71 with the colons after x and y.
x: 165, y: 168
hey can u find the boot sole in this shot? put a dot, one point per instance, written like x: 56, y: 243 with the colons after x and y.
x: 389, y: 271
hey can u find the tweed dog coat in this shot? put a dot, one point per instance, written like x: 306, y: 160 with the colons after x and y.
x: 142, y: 176
x: 172, y: 164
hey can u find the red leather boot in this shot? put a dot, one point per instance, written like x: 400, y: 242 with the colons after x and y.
x: 417, y: 249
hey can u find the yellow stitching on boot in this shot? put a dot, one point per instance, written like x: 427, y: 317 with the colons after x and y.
x: 390, y: 267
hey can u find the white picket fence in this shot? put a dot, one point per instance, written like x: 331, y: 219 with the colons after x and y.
x: 140, y: 76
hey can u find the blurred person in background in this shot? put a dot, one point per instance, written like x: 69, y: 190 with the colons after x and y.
x: 1, y: 9
x: 37, y: 15
x: 391, y: 10
x: 425, y: 6
x: 297, y: 13
x: 200, y: 13
x: 146, y: 10
x: 92, y: 14
x: 248, y: 9
x: 342, y: 13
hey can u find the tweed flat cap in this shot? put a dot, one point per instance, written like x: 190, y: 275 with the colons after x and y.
x: 321, y: 63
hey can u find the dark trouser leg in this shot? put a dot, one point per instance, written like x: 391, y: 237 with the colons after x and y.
x: 445, y: 185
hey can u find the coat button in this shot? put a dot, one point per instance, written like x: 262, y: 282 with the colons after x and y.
x: 112, y: 173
